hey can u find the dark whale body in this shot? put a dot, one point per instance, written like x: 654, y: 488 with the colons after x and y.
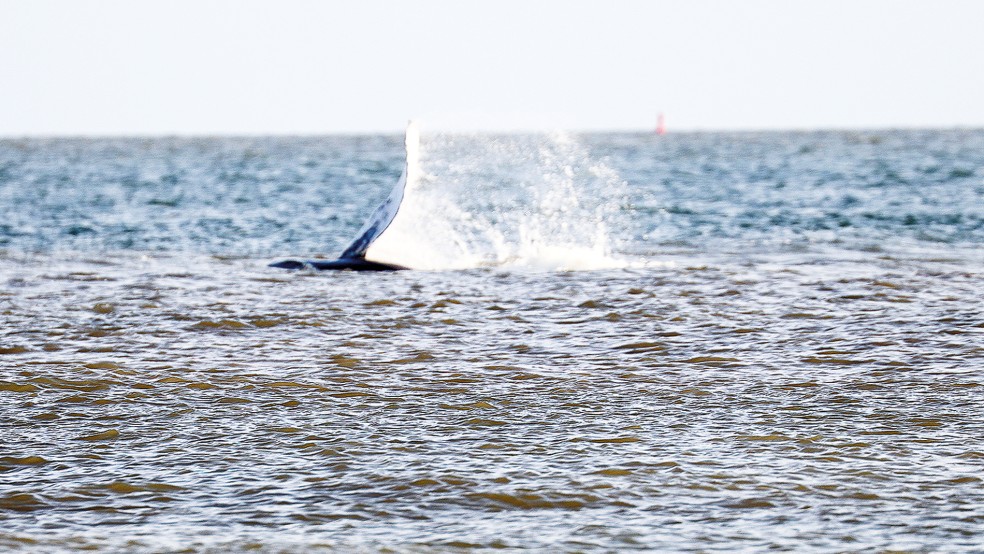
x: 354, y: 256
x: 355, y: 264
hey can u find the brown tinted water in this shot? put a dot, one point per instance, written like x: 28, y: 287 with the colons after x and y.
x: 162, y: 404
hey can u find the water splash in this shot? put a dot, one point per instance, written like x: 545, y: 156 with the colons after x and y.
x: 533, y: 201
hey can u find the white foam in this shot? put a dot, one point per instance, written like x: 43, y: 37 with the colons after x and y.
x: 534, y: 202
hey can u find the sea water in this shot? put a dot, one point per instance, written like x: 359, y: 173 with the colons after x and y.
x: 615, y: 342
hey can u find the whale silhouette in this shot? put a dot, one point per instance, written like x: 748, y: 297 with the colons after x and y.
x: 354, y: 256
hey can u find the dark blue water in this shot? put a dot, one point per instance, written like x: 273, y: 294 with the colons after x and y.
x: 842, y: 192
x: 830, y: 193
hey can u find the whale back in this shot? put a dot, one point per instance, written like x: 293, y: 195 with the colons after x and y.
x: 383, y: 216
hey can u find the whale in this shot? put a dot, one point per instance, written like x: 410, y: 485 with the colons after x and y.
x: 354, y: 256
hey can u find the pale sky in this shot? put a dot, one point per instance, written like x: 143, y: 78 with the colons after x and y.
x: 312, y: 67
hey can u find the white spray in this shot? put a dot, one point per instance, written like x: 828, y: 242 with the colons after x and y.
x: 533, y: 201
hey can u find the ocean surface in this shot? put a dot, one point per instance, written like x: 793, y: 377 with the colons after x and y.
x: 708, y: 342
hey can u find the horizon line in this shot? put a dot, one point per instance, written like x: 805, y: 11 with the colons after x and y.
x: 509, y: 131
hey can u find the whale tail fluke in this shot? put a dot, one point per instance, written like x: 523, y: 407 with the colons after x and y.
x: 354, y: 255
